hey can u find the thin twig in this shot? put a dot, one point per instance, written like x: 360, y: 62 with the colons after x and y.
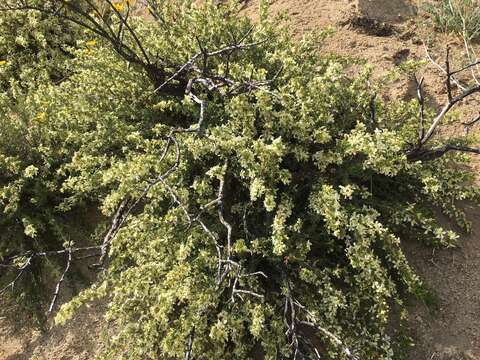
x: 421, y: 101
x: 59, y: 283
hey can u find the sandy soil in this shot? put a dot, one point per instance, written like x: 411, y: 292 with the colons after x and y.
x: 449, y: 327
x: 385, y: 33
x: 77, y: 340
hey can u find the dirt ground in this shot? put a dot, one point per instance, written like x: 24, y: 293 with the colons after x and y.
x: 77, y: 340
x: 385, y: 33
x: 449, y: 329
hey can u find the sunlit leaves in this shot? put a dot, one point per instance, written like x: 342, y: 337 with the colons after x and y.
x: 317, y: 189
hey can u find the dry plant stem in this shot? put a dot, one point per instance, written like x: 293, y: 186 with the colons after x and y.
x: 329, y: 334
x: 22, y: 269
x: 30, y: 256
x: 438, y: 66
x: 448, y: 80
x: 292, y: 320
x: 473, y: 66
x: 60, y: 282
x: 447, y: 107
x: 421, y: 101
x: 130, y: 29
x: 472, y: 122
x: 205, y: 54
x: 188, y: 351
x: 117, y: 222
x: 421, y: 152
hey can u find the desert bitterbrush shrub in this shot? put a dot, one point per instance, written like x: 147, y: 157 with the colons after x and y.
x: 271, y: 196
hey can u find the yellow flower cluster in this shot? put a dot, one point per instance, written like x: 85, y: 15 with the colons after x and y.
x: 120, y: 5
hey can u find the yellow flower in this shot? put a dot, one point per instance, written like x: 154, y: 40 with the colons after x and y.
x: 40, y: 116
x: 91, y: 43
x: 3, y: 62
x: 119, y: 5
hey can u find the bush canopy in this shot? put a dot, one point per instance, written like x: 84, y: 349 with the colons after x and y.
x: 254, y: 196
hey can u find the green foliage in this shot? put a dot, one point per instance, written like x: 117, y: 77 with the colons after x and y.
x: 461, y: 17
x: 318, y: 192
x: 34, y: 49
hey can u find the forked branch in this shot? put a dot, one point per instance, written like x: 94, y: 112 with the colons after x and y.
x: 421, y: 151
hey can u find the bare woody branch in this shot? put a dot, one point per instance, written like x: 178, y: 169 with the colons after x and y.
x: 435, y: 153
x: 469, y: 124
x: 60, y: 281
x: 421, y: 101
x: 450, y: 104
x: 188, y: 351
x: 21, y: 271
x: 438, y: 66
x: 422, y: 152
x: 327, y: 333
